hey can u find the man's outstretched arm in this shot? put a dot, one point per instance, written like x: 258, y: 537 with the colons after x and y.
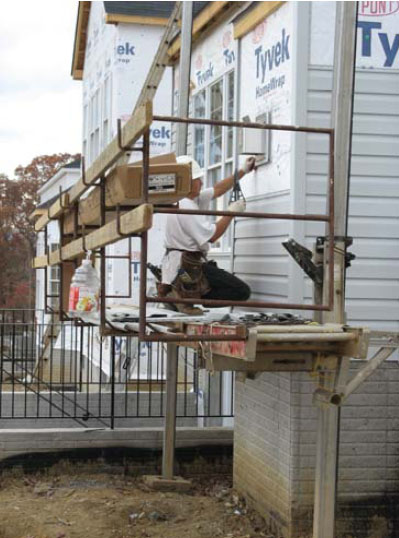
x: 223, y: 223
x: 223, y: 186
x: 221, y: 226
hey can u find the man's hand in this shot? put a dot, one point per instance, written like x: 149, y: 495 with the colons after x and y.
x: 249, y: 165
x: 221, y: 187
x: 237, y: 206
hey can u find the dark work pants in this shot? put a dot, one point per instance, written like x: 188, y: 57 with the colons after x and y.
x: 225, y: 286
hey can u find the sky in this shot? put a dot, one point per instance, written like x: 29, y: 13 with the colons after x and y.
x: 40, y: 103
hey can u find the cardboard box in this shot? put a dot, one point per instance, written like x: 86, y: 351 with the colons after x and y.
x: 169, y: 182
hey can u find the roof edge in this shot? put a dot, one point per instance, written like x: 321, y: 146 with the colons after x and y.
x: 211, y: 14
x: 116, y: 18
x: 79, y: 46
x: 256, y: 13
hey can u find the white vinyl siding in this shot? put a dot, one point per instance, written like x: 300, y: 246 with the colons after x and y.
x: 372, y: 290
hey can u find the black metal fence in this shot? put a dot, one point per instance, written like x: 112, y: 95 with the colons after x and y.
x: 55, y: 371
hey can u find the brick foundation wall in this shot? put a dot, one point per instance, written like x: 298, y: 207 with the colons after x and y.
x: 275, y: 448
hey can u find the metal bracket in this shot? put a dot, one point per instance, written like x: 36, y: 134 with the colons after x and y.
x: 84, y: 239
x: 371, y: 365
x: 49, y: 216
x: 61, y: 203
x: 118, y: 223
x: 83, y: 171
x: 324, y: 398
x: 61, y: 258
x: 347, y: 240
x: 119, y: 138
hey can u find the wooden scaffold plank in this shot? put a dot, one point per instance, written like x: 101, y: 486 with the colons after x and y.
x: 134, y: 222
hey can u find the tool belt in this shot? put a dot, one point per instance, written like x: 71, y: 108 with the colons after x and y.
x: 191, y: 282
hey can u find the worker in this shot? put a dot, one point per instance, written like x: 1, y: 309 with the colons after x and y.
x: 186, y: 271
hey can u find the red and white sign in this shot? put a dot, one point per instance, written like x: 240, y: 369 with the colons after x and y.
x: 371, y: 9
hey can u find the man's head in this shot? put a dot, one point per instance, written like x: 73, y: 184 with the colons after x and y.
x: 196, y: 174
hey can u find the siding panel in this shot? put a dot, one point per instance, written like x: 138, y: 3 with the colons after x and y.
x: 373, y: 280
x: 260, y: 258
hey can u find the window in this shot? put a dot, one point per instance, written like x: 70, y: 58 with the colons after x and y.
x: 94, y: 126
x: 216, y: 113
x: 230, y: 114
x: 199, y: 130
x: 54, y: 281
x: 106, y: 112
x: 213, y: 144
x: 85, y: 129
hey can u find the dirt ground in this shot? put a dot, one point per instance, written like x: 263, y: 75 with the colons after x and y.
x: 61, y: 504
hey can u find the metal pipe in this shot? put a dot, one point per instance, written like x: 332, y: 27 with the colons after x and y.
x: 237, y: 96
x: 143, y: 284
x: 182, y: 337
x: 282, y: 216
x: 127, y: 257
x: 103, y: 293
x: 330, y: 328
x: 244, y: 304
x: 169, y: 435
x: 146, y: 164
x: 311, y: 337
x: 331, y: 225
x: 144, y: 239
x: 62, y: 276
x: 113, y: 348
x: 46, y: 251
x: 242, y: 124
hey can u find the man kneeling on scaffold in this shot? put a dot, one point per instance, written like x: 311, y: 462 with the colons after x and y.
x: 186, y: 272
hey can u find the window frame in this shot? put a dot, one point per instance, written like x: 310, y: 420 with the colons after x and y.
x: 226, y: 164
x: 54, y: 281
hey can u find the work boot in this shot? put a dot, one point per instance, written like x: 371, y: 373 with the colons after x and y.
x: 163, y: 289
x: 188, y: 309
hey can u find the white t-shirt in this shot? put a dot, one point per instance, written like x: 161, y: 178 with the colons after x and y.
x: 187, y: 232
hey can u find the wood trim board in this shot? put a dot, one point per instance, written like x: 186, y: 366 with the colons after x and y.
x: 249, y: 21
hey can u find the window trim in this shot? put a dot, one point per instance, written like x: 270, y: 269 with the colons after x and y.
x: 225, y: 162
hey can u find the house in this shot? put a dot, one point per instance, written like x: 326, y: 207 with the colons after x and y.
x: 47, y: 292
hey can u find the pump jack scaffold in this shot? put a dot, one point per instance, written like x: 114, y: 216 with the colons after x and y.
x: 325, y: 350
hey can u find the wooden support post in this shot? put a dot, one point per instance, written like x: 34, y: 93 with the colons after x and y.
x: 329, y: 414
x: 366, y: 371
x: 169, y: 439
x: 330, y: 380
x: 325, y: 480
x: 184, y: 74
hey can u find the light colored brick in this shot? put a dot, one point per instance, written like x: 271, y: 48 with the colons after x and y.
x: 369, y: 451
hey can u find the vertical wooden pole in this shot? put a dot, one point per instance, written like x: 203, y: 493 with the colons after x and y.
x: 326, y: 456
x: 328, y: 414
x: 169, y: 439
